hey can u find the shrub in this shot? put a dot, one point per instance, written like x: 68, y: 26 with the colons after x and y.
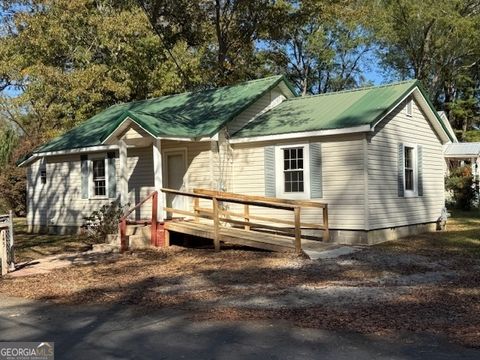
x: 105, y: 221
x: 460, y: 183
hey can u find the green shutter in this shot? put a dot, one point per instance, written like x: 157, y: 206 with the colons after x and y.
x: 112, y: 175
x: 400, y: 171
x: 315, y: 150
x: 420, y: 170
x: 85, y: 175
x: 269, y: 165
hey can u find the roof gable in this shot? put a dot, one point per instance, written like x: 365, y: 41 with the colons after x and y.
x: 187, y: 115
x: 336, y: 110
x: 363, y: 107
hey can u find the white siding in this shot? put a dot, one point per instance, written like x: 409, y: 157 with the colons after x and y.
x: 58, y: 202
x: 141, y: 181
x: 200, y: 166
x: 342, y: 178
x: 386, y: 209
x: 271, y: 99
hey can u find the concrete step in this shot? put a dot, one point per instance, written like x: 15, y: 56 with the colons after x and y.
x: 136, y: 229
x: 140, y: 237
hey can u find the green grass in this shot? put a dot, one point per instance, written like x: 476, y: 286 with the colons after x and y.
x: 33, y: 246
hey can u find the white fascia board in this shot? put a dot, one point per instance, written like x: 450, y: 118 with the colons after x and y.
x: 69, y: 152
x: 123, y: 124
x: 350, y: 130
x: 461, y: 156
x: 432, y: 117
x: 425, y: 107
x: 392, y: 109
x: 174, y: 138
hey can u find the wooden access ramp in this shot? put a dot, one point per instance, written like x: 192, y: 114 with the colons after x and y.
x: 219, y: 223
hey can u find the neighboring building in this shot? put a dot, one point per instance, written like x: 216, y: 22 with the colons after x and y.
x: 375, y: 155
x: 464, y: 154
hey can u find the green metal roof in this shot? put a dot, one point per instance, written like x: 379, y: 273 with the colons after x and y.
x: 186, y: 115
x: 203, y: 113
x: 336, y: 110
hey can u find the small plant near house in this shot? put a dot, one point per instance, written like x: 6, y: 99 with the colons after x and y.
x: 105, y: 221
x: 460, y: 183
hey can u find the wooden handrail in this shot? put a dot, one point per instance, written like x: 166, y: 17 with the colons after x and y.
x: 274, y: 205
x: 129, y: 211
x: 302, y: 203
x: 260, y: 218
x: 154, y: 222
x: 218, y: 214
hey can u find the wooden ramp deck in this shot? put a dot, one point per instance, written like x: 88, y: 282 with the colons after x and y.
x: 247, y: 228
x: 254, y: 239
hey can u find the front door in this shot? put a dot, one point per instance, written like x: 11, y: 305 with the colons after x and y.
x: 175, y: 161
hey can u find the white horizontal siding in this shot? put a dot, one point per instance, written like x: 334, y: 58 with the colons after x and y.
x: 342, y: 179
x: 199, y: 165
x: 59, y: 202
x: 386, y: 208
x: 267, y: 101
x: 141, y: 180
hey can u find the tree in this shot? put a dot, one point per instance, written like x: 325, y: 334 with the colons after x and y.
x: 8, y: 141
x: 320, y: 45
x: 224, y: 32
x: 72, y: 59
x: 437, y: 42
x: 12, y: 179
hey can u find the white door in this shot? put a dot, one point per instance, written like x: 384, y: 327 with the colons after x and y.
x: 175, y: 172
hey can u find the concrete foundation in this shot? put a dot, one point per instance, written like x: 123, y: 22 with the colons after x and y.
x: 371, y: 237
x: 141, y: 237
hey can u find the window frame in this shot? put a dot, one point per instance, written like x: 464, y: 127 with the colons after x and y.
x: 407, y: 192
x: 280, y: 173
x: 43, y: 171
x: 91, y: 181
x: 409, y: 108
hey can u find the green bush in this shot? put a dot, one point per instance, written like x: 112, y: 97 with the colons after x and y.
x: 460, y: 183
x: 105, y: 221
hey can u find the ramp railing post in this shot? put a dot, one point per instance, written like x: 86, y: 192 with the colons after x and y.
x: 298, y: 231
x: 153, y: 230
x: 246, y: 215
x: 216, y: 224
x: 123, y: 234
x: 326, y: 232
x: 196, y: 207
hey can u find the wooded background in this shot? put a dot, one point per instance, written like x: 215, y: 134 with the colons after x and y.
x: 62, y: 61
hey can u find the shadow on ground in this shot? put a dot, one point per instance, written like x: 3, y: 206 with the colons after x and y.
x: 122, y: 332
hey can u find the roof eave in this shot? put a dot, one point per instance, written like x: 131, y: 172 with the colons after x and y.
x: 415, y: 86
x: 302, y: 134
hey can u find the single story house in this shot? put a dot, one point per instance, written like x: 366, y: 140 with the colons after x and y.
x: 374, y: 154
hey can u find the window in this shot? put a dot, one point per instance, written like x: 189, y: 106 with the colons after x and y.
x: 409, y: 170
x: 409, y: 107
x: 293, y: 170
x: 292, y: 173
x: 43, y: 173
x: 99, y: 179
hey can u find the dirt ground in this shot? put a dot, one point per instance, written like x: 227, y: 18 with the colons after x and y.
x: 33, y: 246
x: 427, y: 284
